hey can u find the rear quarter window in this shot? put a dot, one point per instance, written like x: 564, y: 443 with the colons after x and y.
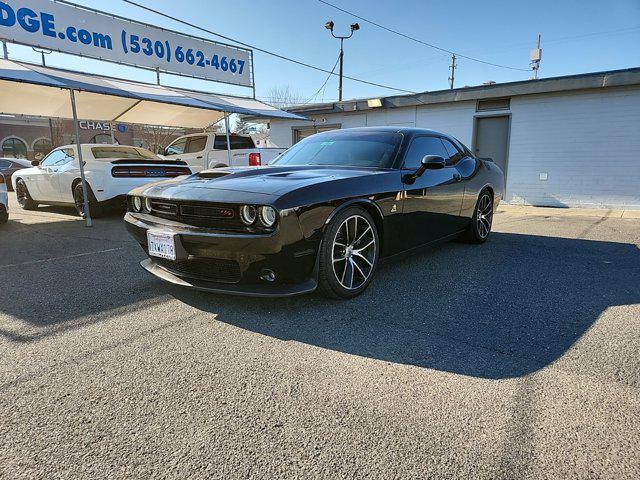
x: 237, y: 143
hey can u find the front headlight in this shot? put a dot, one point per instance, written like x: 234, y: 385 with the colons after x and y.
x: 147, y: 205
x: 136, y: 202
x: 248, y: 214
x: 268, y: 216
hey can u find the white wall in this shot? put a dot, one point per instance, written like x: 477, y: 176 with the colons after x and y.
x: 587, y: 143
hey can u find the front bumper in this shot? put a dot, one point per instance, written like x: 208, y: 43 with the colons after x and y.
x: 230, y: 262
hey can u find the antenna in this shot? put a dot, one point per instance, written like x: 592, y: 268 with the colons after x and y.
x: 535, y: 57
x: 453, y: 70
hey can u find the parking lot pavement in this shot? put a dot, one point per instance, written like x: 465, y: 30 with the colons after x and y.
x: 514, y: 359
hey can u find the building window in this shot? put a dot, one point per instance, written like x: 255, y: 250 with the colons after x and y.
x: 14, y: 147
x: 41, y: 147
x: 300, y: 133
x: 493, y: 104
x: 104, y: 138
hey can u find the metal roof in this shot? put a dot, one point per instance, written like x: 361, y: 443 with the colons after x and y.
x: 29, y: 89
x: 585, y: 81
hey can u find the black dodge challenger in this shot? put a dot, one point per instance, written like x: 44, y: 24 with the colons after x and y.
x: 321, y: 216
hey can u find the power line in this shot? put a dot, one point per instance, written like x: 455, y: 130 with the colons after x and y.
x: 325, y: 82
x: 422, y: 42
x: 258, y: 49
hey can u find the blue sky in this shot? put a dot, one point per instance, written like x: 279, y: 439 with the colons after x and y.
x: 577, y: 37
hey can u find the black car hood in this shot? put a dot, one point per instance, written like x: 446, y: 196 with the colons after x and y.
x: 272, y: 181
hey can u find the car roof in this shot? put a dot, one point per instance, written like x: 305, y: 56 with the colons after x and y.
x: 392, y: 129
x: 21, y: 161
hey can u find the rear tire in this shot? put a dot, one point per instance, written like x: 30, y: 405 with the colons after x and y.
x: 24, y: 198
x: 480, y: 227
x: 78, y: 198
x: 349, y: 254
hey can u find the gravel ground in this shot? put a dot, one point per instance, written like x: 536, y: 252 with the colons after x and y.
x: 514, y: 359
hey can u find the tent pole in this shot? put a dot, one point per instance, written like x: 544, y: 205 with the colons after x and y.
x: 85, y: 190
x: 5, y: 52
x: 226, y: 128
x: 113, y: 139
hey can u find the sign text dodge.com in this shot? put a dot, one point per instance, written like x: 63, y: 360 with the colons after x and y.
x: 75, y: 30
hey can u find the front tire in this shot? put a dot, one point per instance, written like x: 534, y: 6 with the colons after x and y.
x: 24, y: 198
x: 480, y: 227
x: 349, y: 254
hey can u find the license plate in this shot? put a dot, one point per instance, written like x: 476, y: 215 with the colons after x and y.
x: 161, y: 245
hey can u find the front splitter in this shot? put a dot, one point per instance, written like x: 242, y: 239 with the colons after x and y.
x: 244, y: 290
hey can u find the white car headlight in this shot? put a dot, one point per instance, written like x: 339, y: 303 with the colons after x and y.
x: 268, y: 216
x: 248, y: 214
x: 147, y: 205
x: 137, y: 203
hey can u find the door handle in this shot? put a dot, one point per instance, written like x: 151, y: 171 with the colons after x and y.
x: 457, y: 177
x: 199, y: 157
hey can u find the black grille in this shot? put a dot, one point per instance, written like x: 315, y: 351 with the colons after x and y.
x: 199, y: 215
x: 213, y: 269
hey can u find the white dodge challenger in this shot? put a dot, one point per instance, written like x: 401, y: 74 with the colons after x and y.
x: 111, y: 172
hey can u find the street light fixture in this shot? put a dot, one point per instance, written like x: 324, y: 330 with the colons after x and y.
x: 329, y: 26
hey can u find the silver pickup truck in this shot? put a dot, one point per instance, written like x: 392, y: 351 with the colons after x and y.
x: 209, y: 150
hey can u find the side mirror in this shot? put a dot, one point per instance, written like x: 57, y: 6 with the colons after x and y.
x: 35, y: 163
x: 428, y: 162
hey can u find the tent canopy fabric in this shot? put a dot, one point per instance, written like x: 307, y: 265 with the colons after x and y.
x: 27, y: 89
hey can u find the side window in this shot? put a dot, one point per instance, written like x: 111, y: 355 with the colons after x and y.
x: 69, y: 155
x: 421, y: 146
x: 54, y: 158
x: 453, y: 154
x: 5, y: 163
x: 196, y: 144
x: 177, y: 147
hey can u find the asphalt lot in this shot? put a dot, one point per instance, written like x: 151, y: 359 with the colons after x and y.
x: 515, y: 359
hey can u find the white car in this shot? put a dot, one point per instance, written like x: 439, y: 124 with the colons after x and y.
x: 111, y: 172
x: 209, y: 150
x: 4, y: 201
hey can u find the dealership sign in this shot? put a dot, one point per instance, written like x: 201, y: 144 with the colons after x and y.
x: 69, y: 28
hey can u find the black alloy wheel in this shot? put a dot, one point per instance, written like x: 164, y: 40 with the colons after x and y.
x: 24, y: 198
x: 480, y: 227
x: 348, y: 254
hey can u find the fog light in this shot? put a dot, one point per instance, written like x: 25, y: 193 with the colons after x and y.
x: 268, y: 275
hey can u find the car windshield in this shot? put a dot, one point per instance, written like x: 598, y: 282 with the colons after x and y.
x: 354, y: 149
x: 122, y: 152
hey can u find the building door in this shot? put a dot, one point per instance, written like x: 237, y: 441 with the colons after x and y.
x: 492, y: 139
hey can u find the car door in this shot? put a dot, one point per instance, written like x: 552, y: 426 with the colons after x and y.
x: 194, y: 152
x: 432, y: 202
x: 189, y: 149
x: 65, y: 173
x: 43, y: 184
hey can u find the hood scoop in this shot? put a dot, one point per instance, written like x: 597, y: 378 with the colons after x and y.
x: 212, y: 174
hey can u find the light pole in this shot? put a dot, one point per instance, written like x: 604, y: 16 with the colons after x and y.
x: 354, y: 27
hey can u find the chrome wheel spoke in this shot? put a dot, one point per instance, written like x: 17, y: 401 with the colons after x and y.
x: 359, y: 255
x: 353, y: 266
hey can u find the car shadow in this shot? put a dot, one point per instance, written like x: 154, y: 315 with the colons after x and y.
x: 499, y: 310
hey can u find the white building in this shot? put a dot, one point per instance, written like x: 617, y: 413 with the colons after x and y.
x: 564, y: 141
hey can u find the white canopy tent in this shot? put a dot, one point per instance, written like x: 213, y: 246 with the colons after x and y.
x: 27, y: 89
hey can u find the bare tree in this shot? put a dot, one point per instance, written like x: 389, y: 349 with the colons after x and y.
x: 155, y: 138
x: 58, y: 129
x: 283, y: 96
